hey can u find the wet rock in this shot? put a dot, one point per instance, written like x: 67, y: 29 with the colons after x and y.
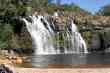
x: 4, y: 69
x: 95, y: 42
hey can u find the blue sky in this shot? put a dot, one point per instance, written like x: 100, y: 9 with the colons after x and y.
x: 90, y: 5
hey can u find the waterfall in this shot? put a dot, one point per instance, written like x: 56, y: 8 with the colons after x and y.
x: 43, y: 36
x: 78, y: 42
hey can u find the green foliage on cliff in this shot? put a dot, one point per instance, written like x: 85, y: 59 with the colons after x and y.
x: 5, y: 32
x: 105, y: 10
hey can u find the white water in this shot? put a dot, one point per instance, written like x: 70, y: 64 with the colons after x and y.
x: 78, y: 42
x: 43, y: 35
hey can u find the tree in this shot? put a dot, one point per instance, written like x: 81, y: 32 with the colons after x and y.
x: 105, y: 10
x: 5, y: 32
x: 50, y: 1
x: 58, y: 2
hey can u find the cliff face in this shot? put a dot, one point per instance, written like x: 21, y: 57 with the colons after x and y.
x: 94, y: 29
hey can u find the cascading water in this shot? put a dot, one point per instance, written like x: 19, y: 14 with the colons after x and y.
x: 78, y: 42
x: 43, y: 36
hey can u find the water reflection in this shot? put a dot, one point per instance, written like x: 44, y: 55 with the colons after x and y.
x: 71, y: 59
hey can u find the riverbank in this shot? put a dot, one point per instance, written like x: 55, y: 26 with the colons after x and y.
x: 13, y: 60
x: 88, y: 69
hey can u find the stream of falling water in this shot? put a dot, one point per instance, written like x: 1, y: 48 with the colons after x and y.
x: 44, y: 37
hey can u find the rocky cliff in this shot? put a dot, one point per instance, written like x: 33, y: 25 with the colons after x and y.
x: 95, y: 30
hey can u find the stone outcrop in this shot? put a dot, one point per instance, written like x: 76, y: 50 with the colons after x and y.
x: 94, y: 29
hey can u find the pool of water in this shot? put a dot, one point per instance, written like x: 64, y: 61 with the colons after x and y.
x: 43, y: 61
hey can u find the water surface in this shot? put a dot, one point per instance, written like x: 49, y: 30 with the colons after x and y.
x: 71, y: 59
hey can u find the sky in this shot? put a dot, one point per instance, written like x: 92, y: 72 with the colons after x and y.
x: 89, y: 5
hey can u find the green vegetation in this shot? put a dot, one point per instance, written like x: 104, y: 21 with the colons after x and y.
x: 105, y: 10
x: 5, y: 32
